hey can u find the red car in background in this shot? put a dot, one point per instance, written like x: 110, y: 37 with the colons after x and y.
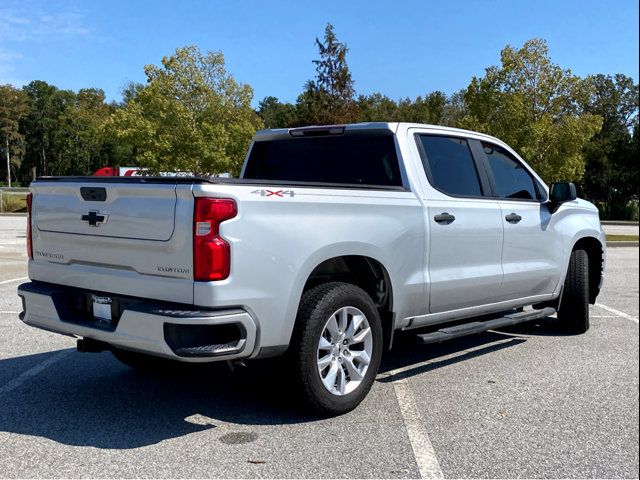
x: 116, y: 172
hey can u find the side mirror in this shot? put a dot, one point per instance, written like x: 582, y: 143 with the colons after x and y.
x: 560, y: 193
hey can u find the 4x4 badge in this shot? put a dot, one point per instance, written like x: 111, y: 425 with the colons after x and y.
x: 95, y: 218
x: 274, y: 193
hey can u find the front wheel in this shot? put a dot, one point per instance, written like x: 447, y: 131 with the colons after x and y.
x: 573, y: 313
x: 336, y: 347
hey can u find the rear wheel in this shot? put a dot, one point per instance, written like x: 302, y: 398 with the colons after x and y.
x: 337, y: 347
x: 574, y: 307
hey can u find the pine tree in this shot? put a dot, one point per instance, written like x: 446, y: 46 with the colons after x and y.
x: 329, y: 98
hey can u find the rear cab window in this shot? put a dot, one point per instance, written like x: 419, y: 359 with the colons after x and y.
x: 362, y: 160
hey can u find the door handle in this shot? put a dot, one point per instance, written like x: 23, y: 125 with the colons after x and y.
x: 513, y: 218
x: 444, y: 218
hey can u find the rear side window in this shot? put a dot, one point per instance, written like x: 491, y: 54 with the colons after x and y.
x: 511, y: 178
x: 349, y: 159
x: 450, y: 166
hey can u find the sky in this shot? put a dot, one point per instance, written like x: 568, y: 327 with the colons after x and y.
x: 399, y: 48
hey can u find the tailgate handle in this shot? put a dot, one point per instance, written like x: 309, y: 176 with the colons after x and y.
x: 93, y: 194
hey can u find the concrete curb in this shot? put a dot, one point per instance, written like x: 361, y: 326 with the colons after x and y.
x: 19, y: 214
x: 622, y: 244
x: 619, y: 222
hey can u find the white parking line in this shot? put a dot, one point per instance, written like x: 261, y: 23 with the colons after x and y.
x: 617, y: 312
x: 32, y: 372
x: 423, y: 451
x: 13, y: 280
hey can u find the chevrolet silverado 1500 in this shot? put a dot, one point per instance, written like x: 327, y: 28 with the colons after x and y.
x: 331, y: 239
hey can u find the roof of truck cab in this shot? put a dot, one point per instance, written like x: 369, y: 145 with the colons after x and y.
x: 274, y: 133
x: 366, y: 127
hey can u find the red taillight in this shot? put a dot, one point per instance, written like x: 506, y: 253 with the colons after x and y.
x: 211, y: 253
x: 29, y: 245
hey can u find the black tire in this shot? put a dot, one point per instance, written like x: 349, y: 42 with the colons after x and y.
x: 573, y: 314
x: 316, y: 307
x: 144, y: 362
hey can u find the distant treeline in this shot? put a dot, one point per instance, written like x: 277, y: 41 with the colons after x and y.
x: 192, y: 115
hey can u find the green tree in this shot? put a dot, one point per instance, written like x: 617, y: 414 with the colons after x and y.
x: 80, y: 138
x: 435, y: 108
x: 13, y: 107
x: 275, y: 114
x: 455, y: 109
x: 40, y: 127
x: 430, y: 109
x: 533, y: 105
x: 329, y: 98
x: 190, y: 116
x: 376, y: 108
x: 64, y: 132
x: 611, y: 177
x: 131, y: 91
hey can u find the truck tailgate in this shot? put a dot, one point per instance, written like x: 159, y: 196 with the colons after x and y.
x: 126, y: 238
x: 141, y: 212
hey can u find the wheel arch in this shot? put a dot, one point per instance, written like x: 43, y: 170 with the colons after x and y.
x: 596, y: 252
x: 365, y: 269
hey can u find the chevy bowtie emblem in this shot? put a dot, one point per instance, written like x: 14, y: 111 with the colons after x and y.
x: 95, y: 218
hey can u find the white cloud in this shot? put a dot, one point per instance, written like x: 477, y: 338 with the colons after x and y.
x: 7, y: 69
x: 19, y: 26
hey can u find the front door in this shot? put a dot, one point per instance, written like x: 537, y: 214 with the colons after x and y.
x: 532, y: 255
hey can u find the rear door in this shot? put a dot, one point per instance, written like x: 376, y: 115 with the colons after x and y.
x: 464, y: 226
x: 532, y: 256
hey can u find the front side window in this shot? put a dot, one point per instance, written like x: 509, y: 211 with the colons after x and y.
x: 511, y: 178
x: 450, y: 166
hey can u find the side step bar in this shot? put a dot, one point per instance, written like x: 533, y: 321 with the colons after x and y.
x: 477, y: 327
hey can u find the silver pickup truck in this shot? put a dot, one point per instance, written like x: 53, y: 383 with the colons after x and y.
x: 332, y: 239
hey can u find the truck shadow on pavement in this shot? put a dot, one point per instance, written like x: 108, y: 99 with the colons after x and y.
x: 93, y: 400
x: 397, y: 364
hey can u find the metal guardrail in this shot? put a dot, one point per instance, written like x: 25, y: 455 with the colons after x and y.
x: 11, y: 191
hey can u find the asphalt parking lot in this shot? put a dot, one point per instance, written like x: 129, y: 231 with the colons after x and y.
x: 520, y: 402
